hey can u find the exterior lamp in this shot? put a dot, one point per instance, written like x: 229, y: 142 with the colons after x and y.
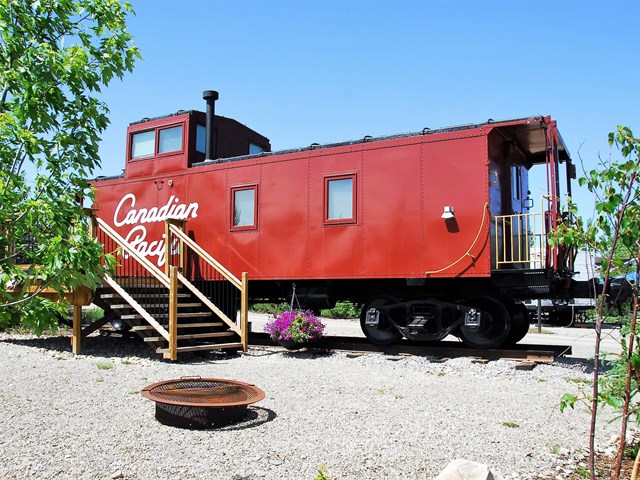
x: 447, y: 214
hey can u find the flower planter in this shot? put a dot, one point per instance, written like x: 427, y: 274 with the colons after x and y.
x: 298, y: 327
x: 292, y: 344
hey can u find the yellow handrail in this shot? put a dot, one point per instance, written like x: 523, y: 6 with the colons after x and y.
x: 468, y: 252
x: 522, y: 237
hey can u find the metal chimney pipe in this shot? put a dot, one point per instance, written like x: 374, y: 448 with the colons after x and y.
x: 210, y: 96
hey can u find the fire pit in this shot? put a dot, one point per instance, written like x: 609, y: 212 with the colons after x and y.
x: 201, y: 403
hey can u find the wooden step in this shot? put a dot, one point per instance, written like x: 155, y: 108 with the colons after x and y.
x: 110, y: 295
x: 135, y: 316
x: 194, y: 336
x: 194, y: 348
x: 146, y: 328
x: 142, y: 328
x: 158, y: 295
x: 139, y: 282
x: 203, y: 324
x: 154, y: 339
x: 143, y: 295
x: 131, y: 316
x: 121, y: 306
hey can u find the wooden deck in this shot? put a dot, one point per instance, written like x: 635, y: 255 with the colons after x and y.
x: 78, y: 297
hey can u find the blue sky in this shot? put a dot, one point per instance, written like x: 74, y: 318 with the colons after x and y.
x: 309, y: 71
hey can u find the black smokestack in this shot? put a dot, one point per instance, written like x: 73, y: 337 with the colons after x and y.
x: 210, y: 96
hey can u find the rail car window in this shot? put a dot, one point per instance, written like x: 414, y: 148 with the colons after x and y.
x: 143, y: 144
x: 340, y: 199
x: 253, y: 148
x: 244, y: 208
x: 201, y: 137
x: 516, y: 178
x: 170, y: 140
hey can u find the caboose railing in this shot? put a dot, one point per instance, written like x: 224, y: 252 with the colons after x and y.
x: 521, y: 238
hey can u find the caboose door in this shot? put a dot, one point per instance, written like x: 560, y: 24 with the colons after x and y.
x: 519, y: 189
x: 497, y: 208
x: 508, y: 191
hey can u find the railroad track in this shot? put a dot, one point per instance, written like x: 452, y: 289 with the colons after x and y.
x: 441, y: 350
x: 523, y: 353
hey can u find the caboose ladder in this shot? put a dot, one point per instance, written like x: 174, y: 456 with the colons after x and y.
x: 168, y: 310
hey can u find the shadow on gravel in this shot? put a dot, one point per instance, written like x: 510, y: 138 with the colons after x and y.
x: 255, y: 417
x: 308, y: 354
x: 97, y: 346
x: 125, y: 346
x: 586, y: 364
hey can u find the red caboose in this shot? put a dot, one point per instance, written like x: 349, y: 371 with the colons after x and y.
x: 433, y: 232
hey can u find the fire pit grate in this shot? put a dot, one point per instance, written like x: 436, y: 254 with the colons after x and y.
x: 201, y: 403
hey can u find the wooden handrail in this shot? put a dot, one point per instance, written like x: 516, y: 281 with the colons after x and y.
x: 208, y: 258
x: 244, y: 312
x: 173, y: 314
x: 171, y: 278
x: 243, y: 285
x: 155, y: 271
x: 137, y: 307
x: 230, y: 323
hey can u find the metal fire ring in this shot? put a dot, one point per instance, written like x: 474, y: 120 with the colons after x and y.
x: 194, y: 402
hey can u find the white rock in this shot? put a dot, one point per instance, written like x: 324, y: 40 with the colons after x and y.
x: 461, y: 469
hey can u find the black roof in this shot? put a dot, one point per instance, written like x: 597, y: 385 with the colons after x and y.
x: 527, y: 131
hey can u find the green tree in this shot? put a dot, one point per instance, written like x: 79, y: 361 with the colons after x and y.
x: 55, y: 57
x: 614, y: 234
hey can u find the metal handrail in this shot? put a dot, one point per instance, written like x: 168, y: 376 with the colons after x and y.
x: 526, y: 244
x: 527, y: 234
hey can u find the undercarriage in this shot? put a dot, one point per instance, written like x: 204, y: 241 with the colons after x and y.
x: 480, y: 322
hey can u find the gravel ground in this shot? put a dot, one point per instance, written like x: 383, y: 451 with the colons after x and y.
x: 369, y: 417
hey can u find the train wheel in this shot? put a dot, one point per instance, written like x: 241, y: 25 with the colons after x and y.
x: 495, y: 324
x: 519, y: 323
x: 378, y: 329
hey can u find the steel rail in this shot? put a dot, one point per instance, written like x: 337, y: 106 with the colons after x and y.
x: 520, y: 352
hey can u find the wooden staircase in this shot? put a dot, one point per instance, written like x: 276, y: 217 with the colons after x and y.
x: 198, y: 327
x: 190, y: 306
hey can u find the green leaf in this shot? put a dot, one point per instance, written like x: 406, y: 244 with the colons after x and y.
x: 567, y: 400
x: 50, y: 126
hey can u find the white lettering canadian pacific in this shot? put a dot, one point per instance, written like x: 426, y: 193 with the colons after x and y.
x: 173, y: 209
x: 137, y: 236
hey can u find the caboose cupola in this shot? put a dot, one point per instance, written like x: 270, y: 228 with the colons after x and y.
x: 173, y: 143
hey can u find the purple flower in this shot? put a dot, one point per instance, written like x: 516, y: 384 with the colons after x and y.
x: 297, y: 325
